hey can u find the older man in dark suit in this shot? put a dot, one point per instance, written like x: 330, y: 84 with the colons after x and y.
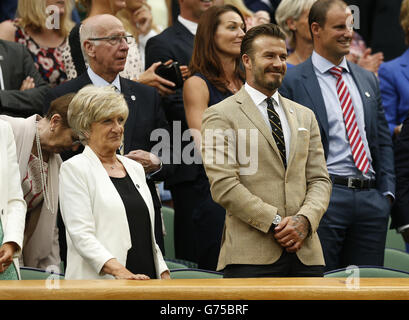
x: 358, y: 148
x: 22, y: 89
x: 106, y: 48
x: 176, y: 43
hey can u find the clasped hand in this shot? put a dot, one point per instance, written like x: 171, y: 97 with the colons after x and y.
x: 149, y: 161
x: 291, y: 232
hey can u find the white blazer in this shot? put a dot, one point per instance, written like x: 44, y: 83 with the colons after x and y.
x: 95, y: 217
x: 12, y: 205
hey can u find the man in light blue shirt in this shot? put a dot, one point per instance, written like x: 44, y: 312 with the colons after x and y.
x: 353, y: 230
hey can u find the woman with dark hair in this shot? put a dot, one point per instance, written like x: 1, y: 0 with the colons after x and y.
x: 216, y: 75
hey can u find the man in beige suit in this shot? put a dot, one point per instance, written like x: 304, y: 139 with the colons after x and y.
x: 275, y: 198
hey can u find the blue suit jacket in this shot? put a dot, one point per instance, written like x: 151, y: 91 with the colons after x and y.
x: 394, y: 84
x: 301, y: 85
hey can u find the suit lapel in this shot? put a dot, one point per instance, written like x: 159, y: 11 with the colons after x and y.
x: 253, y: 113
x: 184, y: 34
x: 364, y: 92
x: 133, y: 112
x: 312, y: 87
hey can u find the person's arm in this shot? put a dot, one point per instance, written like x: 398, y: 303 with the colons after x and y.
x: 16, y: 205
x: 7, y: 30
x: 400, y: 214
x: 386, y: 169
x: 196, y: 99
x: 224, y: 174
x: 319, y: 186
x: 25, y: 103
x: 158, y: 161
x: 390, y: 97
x: 78, y: 216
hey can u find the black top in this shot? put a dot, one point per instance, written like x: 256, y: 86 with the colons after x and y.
x: 140, y: 256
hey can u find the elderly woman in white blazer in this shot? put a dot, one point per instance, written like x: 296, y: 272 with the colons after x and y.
x: 12, y: 206
x: 101, y: 243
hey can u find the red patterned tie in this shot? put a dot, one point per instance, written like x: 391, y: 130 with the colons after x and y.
x: 355, y: 141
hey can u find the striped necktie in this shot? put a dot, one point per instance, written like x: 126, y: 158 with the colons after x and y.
x: 276, y: 129
x: 355, y: 140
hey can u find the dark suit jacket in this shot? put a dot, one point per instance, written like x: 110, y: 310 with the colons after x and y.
x: 400, y: 210
x: 380, y: 36
x: 176, y: 43
x: 145, y: 115
x: 16, y: 64
x: 301, y: 85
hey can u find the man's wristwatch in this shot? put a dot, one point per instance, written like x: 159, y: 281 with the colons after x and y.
x: 276, y: 222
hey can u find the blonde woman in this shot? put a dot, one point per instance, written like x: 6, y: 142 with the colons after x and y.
x: 42, y: 26
x: 105, y: 202
x: 292, y: 17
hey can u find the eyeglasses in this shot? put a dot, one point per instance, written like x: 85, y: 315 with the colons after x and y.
x: 114, y: 40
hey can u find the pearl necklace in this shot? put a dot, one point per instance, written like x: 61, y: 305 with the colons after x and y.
x: 42, y: 172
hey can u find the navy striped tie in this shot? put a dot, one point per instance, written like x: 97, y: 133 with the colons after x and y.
x: 276, y: 129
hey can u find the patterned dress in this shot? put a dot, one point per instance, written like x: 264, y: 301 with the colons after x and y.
x: 11, y: 272
x: 48, y: 61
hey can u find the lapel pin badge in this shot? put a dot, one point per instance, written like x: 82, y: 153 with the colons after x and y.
x: 367, y: 94
x: 133, y: 98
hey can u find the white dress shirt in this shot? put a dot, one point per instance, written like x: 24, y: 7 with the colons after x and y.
x: 190, y: 25
x: 100, y: 82
x: 340, y: 161
x: 259, y: 100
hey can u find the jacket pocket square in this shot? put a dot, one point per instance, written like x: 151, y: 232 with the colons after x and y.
x: 302, y: 129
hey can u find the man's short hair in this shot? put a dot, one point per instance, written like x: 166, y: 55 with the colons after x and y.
x: 93, y: 104
x: 267, y: 29
x: 319, y: 10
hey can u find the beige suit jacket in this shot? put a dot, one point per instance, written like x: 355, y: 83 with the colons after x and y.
x: 248, y: 178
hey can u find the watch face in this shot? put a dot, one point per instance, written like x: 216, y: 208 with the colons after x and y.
x: 277, y: 219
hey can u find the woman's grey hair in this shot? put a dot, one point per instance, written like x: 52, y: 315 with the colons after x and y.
x: 291, y: 9
x: 92, y: 104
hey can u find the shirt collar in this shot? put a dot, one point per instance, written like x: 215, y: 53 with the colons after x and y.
x: 323, y: 65
x: 100, y: 82
x: 258, y: 97
x: 190, y: 25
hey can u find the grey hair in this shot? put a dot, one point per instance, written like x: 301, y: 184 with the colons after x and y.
x: 87, y: 30
x: 93, y: 104
x: 291, y: 9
